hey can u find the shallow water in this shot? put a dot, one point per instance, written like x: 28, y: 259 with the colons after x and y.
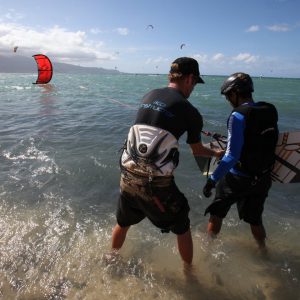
x: 59, y: 176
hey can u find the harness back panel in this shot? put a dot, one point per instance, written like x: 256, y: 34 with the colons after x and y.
x: 150, y: 151
x: 261, y: 134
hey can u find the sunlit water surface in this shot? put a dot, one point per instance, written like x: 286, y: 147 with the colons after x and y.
x: 59, y: 185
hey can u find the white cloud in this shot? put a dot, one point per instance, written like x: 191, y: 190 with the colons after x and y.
x: 218, y: 57
x: 279, y: 28
x: 12, y: 15
x: 200, y: 57
x: 253, y: 28
x: 157, y: 60
x: 64, y: 45
x: 245, y: 57
x: 122, y: 31
x: 96, y: 31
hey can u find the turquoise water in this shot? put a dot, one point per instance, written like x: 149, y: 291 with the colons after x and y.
x: 59, y: 185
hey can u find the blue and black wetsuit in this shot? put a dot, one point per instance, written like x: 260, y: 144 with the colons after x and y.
x: 243, y: 175
x: 236, y: 127
x: 252, y: 137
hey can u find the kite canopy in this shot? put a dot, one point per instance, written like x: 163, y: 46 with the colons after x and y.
x: 45, y: 68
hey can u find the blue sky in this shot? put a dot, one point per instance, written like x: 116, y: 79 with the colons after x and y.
x: 261, y: 37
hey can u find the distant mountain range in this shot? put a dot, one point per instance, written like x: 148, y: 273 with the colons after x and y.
x: 22, y: 64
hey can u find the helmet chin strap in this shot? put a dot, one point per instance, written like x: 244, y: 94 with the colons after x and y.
x: 235, y: 102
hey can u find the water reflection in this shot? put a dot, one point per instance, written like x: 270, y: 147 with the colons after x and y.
x: 48, y: 100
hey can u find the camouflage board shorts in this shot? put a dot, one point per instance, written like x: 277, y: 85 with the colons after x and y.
x: 158, y: 199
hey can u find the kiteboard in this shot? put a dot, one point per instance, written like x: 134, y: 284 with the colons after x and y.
x: 287, y: 165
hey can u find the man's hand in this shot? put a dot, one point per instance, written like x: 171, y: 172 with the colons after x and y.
x: 219, y: 153
x: 210, y: 184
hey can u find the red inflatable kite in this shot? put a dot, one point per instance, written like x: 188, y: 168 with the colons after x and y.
x: 45, y: 68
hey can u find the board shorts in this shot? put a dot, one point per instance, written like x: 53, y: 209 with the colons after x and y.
x: 247, y: 193
x: 159, y: 200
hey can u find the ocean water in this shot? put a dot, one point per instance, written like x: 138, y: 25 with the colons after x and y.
x: 59, y: 185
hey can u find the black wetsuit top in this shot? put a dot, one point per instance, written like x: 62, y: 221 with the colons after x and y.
x: 166, y: 108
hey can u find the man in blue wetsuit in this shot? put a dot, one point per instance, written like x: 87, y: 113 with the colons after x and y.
x: 243, y: 174
x: 150, y: 156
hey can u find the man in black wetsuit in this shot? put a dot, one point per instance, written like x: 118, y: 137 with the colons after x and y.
x: 244, y: 173
x: 150, y: 156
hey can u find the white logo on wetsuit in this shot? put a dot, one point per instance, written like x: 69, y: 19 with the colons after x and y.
x: 150, y: 151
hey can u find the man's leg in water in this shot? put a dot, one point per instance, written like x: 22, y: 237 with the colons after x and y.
x: 118, y: 236
x: 214, y: 225
x: 185, y: 246
x: 259, y: 234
